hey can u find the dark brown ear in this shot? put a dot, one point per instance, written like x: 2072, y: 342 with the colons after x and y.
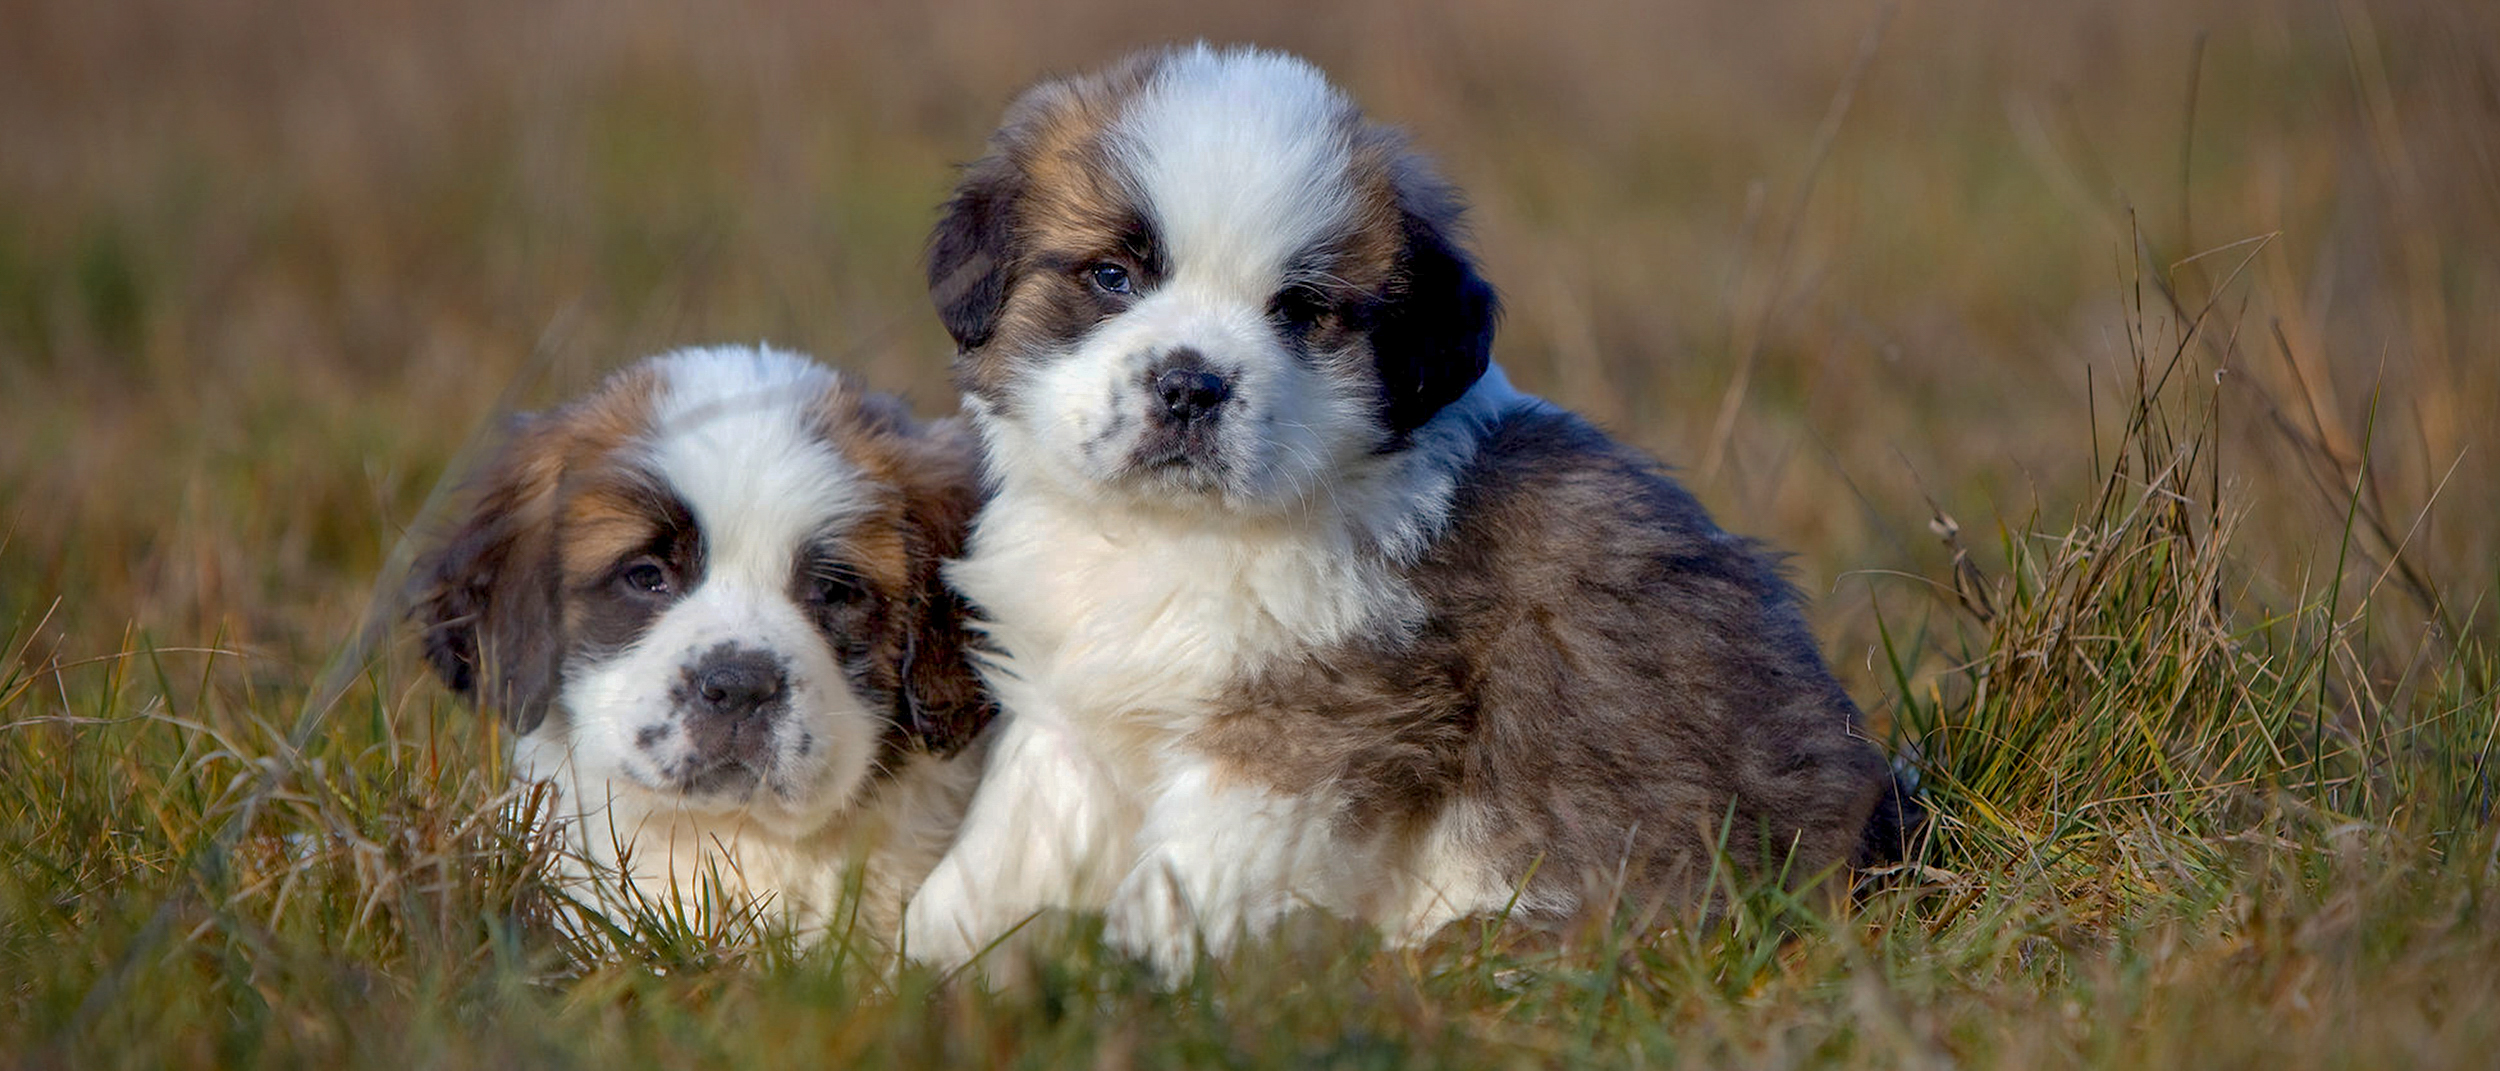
x: 485, y: 598
x: 944, y: 704
x: 970, y: 252
x: 1434, y: 338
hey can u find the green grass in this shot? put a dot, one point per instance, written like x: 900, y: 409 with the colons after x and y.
x: 2177, y: 869
x: 2140, y: 456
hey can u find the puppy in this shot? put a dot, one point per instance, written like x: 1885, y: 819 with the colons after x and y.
x: 1296, y: 601
x: 706, y: 599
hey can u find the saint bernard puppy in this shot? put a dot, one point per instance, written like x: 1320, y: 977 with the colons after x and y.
x: 1294, y: 599
x: 706, y: 599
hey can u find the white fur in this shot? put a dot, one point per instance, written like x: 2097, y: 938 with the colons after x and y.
x: 1215, y: 860
x: 730, y: 435
x: 1127, y: 599
x: 1048, y: 827
x: 1224, y: 138
x: 1119, y: 628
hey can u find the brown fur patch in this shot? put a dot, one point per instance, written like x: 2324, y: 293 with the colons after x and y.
x: 1043, y: 202
x: 911, y: 639
x: 605, y: 525
x: 612, y: 516
x: 1620, y: 686
x: 489, y: 598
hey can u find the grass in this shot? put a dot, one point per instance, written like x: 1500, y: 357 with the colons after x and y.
x: 2124, y: 379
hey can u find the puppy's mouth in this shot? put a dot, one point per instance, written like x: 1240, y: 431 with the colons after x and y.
x: 1189, y: 458
x: 712, y: 776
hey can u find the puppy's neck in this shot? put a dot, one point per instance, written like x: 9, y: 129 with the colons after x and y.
x: 1114, y: 593
x: 1388, y: 506
x: 1399, y: 502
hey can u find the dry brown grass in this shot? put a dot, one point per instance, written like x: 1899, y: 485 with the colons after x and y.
x: 242, y: 247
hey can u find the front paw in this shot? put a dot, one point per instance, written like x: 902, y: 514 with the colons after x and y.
x: 1152, y: 918
x: 940, y: 927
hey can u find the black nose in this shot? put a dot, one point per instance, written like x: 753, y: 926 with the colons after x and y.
x: 1190, y: 394
x: 735, y: 683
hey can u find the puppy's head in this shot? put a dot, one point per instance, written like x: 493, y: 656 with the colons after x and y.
x: 1201, y: 278
x: 715, y: 579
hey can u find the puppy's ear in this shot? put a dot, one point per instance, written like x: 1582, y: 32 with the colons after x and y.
x: 485, y: 598
x: 944, y: 703
x: 1434, y: 338
x: 970, y: 252
x: 973, y: 251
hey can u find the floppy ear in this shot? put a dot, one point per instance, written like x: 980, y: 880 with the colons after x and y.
x: 944, y: 704
x: 486, y: 597
x: 969, y: 252
x: 1434, y: 338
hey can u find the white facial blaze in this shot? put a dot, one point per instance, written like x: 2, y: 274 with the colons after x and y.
x: 731, y: 438
x: 1240, y: 161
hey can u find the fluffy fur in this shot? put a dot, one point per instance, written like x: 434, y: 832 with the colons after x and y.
x: 706, y: 596
x: 1295, y: 600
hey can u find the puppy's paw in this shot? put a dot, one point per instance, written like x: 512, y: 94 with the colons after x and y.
x: 1153, y: 919
x: 941, y: 927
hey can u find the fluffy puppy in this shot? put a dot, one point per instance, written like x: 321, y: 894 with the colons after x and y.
x: 706, y: 599
x: 1295, y: 599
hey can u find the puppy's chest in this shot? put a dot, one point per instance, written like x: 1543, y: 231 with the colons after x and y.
x: 1140, y: 636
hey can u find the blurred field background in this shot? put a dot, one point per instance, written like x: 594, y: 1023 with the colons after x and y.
x: 2182, y: 318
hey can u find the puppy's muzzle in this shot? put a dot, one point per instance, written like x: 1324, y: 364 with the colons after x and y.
x: 731, y: 697
x: 735, y: 683
x: 1190, y: 394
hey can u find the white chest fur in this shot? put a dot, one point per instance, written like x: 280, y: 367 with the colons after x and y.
x: 1128, y: 625
x: 1118, y: 628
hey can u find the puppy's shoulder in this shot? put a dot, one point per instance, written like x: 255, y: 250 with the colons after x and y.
x: 1552, y: 502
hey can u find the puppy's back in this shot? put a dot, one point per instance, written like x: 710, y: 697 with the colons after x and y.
x: 1608, y: 688
x: 1664, y: 664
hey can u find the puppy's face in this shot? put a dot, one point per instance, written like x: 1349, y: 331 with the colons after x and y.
x: 1201, y: 279
x: 716, y: 580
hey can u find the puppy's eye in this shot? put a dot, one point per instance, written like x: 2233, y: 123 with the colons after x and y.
x: 646, y: 575
x: 1299, y: 306
x: 1109, y: 278
x: 834, y: 585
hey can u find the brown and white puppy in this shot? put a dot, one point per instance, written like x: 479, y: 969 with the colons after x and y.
x: 706, y: 598
x: 1295, y: 600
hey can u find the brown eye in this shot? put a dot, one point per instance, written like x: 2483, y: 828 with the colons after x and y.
x: 834, y: 585
x: 646, y: 575
x: 1299, y: 306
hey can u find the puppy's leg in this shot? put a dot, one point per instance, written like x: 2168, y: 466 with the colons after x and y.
x: 1046, y: 829
x: 1217, y: 861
